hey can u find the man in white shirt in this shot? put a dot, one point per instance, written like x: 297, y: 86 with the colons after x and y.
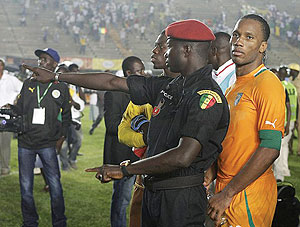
x: 219, y: 57
x: 10, y: 87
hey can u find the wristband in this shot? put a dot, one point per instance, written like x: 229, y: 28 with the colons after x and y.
x: 56, y: 77
x: 124, y: 170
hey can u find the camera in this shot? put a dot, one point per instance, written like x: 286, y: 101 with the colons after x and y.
x: 15, y: 123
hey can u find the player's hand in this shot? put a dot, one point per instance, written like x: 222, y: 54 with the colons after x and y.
x: 217, y: 206
x: 106, y: 173
x: 40, y: 74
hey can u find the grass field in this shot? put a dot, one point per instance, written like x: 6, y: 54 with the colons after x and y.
x: 87, y: 201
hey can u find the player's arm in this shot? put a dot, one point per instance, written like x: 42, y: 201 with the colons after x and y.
x: 260, y: 161
x: 97, y: 81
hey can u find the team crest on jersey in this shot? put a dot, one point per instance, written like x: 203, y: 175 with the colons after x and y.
x: 156, y: 109
x: 238, y: 98
x: 208, y: 98
x: 55, y: 94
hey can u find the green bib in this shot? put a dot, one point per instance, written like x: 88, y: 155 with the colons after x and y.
x: 292, y: 92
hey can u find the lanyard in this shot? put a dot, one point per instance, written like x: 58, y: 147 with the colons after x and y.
x: 39, y: 99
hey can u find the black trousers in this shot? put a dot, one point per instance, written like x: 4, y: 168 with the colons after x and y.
x: 174, y: 207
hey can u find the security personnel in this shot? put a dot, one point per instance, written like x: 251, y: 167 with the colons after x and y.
x: 189, y: 122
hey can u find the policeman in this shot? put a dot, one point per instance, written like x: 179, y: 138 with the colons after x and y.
x: 188, y: 124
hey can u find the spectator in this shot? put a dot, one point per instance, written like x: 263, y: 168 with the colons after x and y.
x: 48, y: 110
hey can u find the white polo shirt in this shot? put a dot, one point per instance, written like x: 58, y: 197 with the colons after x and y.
x: 10, y: 87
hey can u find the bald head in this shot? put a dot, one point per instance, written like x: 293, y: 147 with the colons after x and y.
x: 220, y: 50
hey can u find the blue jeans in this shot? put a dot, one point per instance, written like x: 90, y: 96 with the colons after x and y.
x: 26, y: 165
x: 120, y: 200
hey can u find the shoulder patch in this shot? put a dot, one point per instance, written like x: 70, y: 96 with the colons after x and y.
x: 208, y: 98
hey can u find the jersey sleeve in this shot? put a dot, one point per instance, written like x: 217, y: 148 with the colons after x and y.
x: 145, y: 90
x: 269, y: 98
x: 205, y: 111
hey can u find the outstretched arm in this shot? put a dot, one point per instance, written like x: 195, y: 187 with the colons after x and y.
x: 96, y: 81
x: 175, y: 158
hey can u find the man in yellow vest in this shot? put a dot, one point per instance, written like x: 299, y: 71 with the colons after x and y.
x: 281, y: 168
x: 294, y: 72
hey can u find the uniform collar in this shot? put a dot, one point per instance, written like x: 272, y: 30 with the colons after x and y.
x: 198, y: 75
x: 254, y: 73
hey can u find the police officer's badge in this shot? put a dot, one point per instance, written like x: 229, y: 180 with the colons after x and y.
x: 55, y: 93
x: 208, y: 98
x: 156, y: 109
x: 238, y: 98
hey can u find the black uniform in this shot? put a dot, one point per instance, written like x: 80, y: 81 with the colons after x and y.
x: 57, y: 114
x: 183, y: 107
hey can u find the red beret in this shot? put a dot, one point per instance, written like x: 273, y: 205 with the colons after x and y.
x: 191, y: 29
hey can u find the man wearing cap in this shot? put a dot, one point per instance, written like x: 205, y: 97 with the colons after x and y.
x: 10, y: 87
x: 48, y: 111
x: 188, y: 124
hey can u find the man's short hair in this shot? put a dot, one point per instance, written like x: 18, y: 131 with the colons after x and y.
x: 264, y: 24
x: 222, y: 35
x: 128, y: 62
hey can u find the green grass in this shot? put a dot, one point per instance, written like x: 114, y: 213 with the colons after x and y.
x: 87, y: 201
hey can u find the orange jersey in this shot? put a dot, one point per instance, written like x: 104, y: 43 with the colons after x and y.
x: 256, y: 103
x: 257, y: 106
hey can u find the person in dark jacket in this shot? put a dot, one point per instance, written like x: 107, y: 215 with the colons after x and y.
x: 47, y: 109
x: 115, y: 104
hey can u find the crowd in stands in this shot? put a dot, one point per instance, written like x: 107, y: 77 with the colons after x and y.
x: 283, y: 25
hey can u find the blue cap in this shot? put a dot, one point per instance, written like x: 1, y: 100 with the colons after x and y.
x: 52, y: 53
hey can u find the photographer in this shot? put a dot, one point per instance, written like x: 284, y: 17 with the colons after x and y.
x: 10, y: 87
x: 48, y: 112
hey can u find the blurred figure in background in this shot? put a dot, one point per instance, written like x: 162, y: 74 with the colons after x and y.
x: 10, y: 87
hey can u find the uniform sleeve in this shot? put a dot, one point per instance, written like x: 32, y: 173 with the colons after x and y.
x: 126, y: 135
x: 269, y: 98
x: 204, y: 114
x: 145, y: 90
